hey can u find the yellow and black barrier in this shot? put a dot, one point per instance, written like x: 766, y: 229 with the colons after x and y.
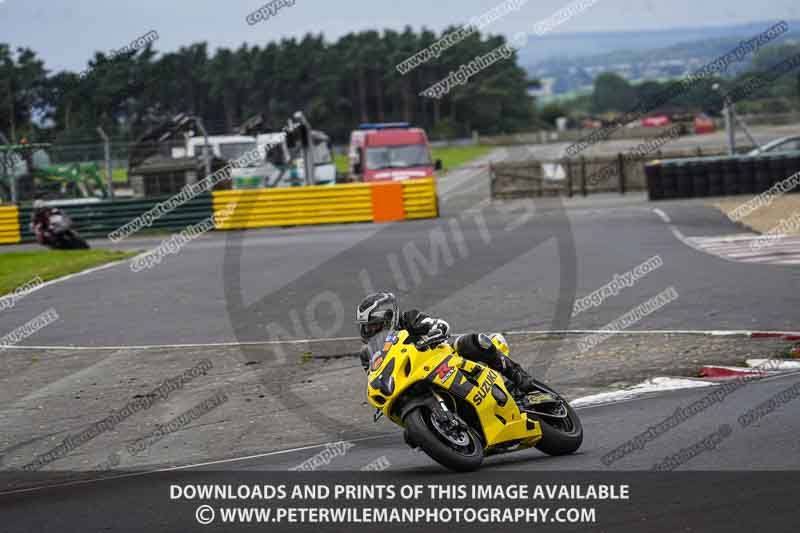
x: 9, y: 225
x: 326, y: 204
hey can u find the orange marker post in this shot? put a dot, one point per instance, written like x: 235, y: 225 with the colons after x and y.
x: 387, y: 202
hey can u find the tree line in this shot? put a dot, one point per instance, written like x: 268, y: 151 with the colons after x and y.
x: 337, y: 84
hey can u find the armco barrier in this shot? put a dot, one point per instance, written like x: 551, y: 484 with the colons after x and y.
x: 325, y: 204
x: 420, y: 199
x: 9, y: 225
x: 98, y: 219
x: 256, y: 208
x: 719, y: 176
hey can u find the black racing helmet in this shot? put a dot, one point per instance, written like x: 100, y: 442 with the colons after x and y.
x: 377, y: 312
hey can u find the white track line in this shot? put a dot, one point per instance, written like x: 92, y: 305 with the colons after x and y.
x: 663, y: 215
x: 196, y: 345
x: 711, y: 333
x: 719, y: 246
x: 76, y: 275
x: 654, y: 385
x: 659, y: 384
x: 185, y: 467
x: 688, y: 240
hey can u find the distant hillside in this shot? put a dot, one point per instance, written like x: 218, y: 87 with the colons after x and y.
x: 572, y: 61
x: 594, y: 43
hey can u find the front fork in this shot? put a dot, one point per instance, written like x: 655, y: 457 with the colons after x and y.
x: 437, y: 400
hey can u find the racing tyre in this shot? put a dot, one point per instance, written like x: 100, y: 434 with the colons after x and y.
x: 561, y: 436
x: 458, y: 449
x: 562, y: 432
x: 75, y: 242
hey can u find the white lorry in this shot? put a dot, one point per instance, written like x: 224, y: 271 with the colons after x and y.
x: 277, y: 166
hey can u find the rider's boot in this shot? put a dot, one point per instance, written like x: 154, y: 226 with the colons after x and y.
x: 481, y: 348
x: 518, y: 376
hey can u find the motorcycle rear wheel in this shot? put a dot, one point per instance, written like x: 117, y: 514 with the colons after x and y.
x: 560, y: 436
x: 423, y: 432
x: 72, y: 241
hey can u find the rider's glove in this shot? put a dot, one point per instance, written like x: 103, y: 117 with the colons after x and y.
x: 421, y: 324
x: 438, y: 332
x: 437, y: 327
x: 365, y: 356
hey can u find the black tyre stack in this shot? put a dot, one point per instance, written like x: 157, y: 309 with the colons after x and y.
x: 748, y: 178
x: 778, y: 169
x: 698, y: 173
x: 684, y: 178
x: 655, y: 185
x: 719, y: 176
x: 793, y: 165
x: 669, y: 180
x: 715, y: 173
x: 730, y: 176
x: 760, y: 173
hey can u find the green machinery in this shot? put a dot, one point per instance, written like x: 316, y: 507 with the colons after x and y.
x: 26, y: 171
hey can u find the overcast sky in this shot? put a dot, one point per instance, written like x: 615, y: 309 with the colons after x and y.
x: 66, y: 33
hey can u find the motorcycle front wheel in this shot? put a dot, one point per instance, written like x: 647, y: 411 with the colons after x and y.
x: 458, y: 449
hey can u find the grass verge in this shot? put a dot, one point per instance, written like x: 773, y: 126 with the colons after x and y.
x: 452, y: 156
x: 18, y: 268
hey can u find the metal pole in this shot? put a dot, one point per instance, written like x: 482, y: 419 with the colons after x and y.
x: 14, y: 192
x: 309, y: 158
x: 11, y: 111
x: 568, y: 164
x: 8, y: 166
x: 109, y: 169
x: 730, y: 129
x: 206, y: 147
x: 743, y: 125
x: 584, y: 191
x: 308, y: 149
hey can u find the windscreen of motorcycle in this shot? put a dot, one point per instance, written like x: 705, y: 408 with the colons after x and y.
x: 378, y: 345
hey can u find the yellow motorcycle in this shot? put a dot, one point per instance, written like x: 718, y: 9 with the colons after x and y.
x: 459, y: 411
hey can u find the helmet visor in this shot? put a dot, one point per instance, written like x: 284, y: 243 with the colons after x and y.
x: 370, y: 330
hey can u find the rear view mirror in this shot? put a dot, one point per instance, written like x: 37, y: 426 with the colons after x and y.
x: 438, y: 165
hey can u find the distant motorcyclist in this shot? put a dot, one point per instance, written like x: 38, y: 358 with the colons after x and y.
x: 52, y: 227
x: 40, y: 220
x: 379, y: 311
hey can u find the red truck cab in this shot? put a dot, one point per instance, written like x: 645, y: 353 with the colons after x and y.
x: 390, y: 152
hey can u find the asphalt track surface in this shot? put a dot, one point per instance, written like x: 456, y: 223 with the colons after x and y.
x: 514, y: 267
x: 141, y: 502
x: 770, y: 444
x: 481, y: 267
x: 226, y: 287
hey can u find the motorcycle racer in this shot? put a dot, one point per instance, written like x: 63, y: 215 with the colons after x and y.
x: 379, y: 311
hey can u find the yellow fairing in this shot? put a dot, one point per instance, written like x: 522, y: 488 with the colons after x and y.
x: 402, y: 366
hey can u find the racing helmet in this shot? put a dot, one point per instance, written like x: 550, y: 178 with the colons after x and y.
x: 376, y: 312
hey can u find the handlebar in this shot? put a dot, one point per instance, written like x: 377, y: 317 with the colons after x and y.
x: 434, y: 338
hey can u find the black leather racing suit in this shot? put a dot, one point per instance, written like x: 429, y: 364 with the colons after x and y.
x: 469, y: 346
x: 412, y: 320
